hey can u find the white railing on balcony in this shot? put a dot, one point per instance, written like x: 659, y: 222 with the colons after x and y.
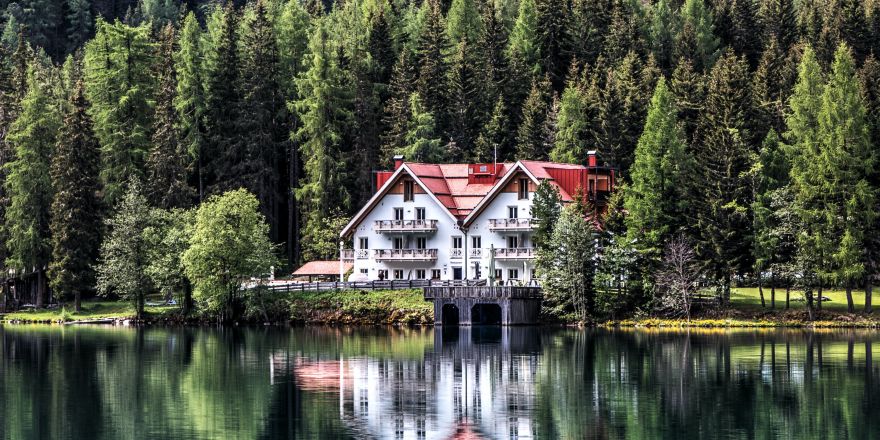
x: 362, y: 254
x: 456, y: 253
x: 347, y: 254
x: 511, y: 224
x: 405, y: 254
x: 515, y: 253
x: 476, y: 253
x: 405, y: 225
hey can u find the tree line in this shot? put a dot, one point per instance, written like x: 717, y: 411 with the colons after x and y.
x: 299, y: 102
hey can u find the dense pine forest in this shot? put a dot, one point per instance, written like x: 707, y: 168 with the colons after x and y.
x: 746, y: 131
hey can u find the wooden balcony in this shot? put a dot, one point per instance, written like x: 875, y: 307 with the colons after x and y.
x: 384, y: 226
x: 511, y: 224
x: 515, y: 253
x: 405, y: 254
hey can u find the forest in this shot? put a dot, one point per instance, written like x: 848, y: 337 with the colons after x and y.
x: 745, y: 131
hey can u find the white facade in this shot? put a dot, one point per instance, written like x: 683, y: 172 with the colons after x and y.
x: 397, y: 239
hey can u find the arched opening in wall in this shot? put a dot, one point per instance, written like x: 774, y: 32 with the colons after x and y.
x: 450, y: 314
x: 486, y: 314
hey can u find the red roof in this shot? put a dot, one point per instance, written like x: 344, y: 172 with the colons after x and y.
x: 449, y: 183
x: 315, y: 268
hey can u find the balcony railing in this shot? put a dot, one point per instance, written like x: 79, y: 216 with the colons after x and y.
x: 348, y: 255
x: 456, y: 253
x: 476, y: 253
x: 511, y: 224
x: 405, y: 225
x: 362, y: 254
x: 515, y: 253
x: 405, y: 254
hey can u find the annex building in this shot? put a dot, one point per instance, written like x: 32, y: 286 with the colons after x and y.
x: 458, y: 221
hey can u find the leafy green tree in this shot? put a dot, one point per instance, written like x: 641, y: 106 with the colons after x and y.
x: 168, y: 159
x: 75, y: 211
x: 545, y: 212
x: 28, y: 182
x: 229, y: 246
x: 166, y: 238
x: 189, y: 98
x: 655, y: 201
x: 566, y: 266
x: 124, y: 254
x: 325, y: 244
x: 696, y: 40
x: 119, y: 84
x: 422, y: 143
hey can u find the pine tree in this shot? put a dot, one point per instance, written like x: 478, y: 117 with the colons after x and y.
x: 323, y: 109
x: 847, y: 160
x: 167, y: 162
x: 662, y: 34
x: 75, y: 211
x: 432, y: 60
x: 772, y: 86
x: 43, y: 21
x: 422, y: 143
x: 463, y: 22
x: 545, y: 211
x: 552, y: 20
x: 622, y: 113
x: 576, y: 121
x: 688, y: 87
x: 870, y: 82
x: 495, y: 137
x: 723, y: 218
x: 771, y: 179
x: 778, y: 20
x: 696, y: 40
x: 566, y: 269
x: 655, y: 201
x: 397, y: 109
x: 119, y: 84
x: 465, y: 103
x: 491, y: 47
x: 28, y: 182
x: 529, y: 139
x: 223, y: 99
x: 524, y: 47
x: 79, y: 23
x: 587, y: 28
x: 627, y: 31
x: 744, y: 37
x: 189, y: 97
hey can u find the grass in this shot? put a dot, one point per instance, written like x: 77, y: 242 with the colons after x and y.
x: 749, y: 299
x: 91, y: 310
x: 362, y: 307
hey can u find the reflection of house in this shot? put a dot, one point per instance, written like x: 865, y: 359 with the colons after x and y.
x: 470, y: 384
x: 442, y: 221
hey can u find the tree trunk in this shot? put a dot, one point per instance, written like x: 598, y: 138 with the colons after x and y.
x: 77, y: 300
x: 787, y: 296
x: 850, y: 307
x: 761, y: 294
x: 40, y: 300
x: 772, y: 295
x: 140, y: 306
x: 819, y: 298
x: 808, y: 293
x: 868, y: 291
x: 187, y: 298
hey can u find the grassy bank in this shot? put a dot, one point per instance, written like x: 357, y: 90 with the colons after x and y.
x: 91, y: 311
x: 362, y: 307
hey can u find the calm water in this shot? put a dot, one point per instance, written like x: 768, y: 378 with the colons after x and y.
x: 120, y: 383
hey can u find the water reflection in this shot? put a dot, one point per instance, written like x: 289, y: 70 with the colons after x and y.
x: 107, y: 383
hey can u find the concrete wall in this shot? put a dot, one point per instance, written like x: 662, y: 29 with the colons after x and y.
x: 513, y: 311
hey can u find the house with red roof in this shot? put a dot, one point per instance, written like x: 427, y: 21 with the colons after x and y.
x: 461, y: 221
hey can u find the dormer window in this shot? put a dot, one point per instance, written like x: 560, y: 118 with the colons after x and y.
x: 408, y: 189
x: 523, y: 189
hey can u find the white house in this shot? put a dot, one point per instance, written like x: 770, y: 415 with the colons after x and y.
x: 442, y: 221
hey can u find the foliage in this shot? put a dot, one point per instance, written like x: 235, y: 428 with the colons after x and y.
x: 566, y: 267
x: 324, y: 245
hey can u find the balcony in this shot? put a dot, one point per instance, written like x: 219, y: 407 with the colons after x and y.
x: 515, y: 253
x: 456, y: 253
x: 511, y: 224
x: 405, y: 254
x: 405, y: 225
x: 476, y: 253
x: 347, y: 254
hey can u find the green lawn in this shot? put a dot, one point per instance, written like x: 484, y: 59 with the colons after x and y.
x: 362, y: 307
x: 90, y: 310
x: 748, y: 299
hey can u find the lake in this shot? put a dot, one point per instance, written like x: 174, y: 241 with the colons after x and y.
x: 59, y: 382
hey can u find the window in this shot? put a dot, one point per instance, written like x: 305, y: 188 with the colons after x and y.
x: 420, y: 213
x: 484, y: 168
x: 420, y: 274
x: 398, y: 274
x: 476, y: 242
x: 512, y: 212
x: 365, y: 271
x: 397, y: 243
x: 408, y: 187
x: 421, y: 242
x: 498, y: 274
x: 456, y: 242
x: 435, y: 274
x: 383, y: 274
x: 398, y: 213
x: 513, y: 242
x: 513, y: 274
x: 363, y: 243
x: 523, y: 189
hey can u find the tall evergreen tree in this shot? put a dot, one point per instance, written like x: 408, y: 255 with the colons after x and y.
x: 662, y: 33
x: 75, y: 210
x: 189, y: 97
x: 778, y: 20
x: 119, y: 84
x: 397, y: 110
x: 587, y: 27
x: 771, y: 176
x: 495, y: 139
x: 463, y: 22
x: 552, y: 20
x: 422, y: 143
x: 772, y: 84
x: 28, y: 182
x: 696, y: 40
x: 622, y: 112
x: 529, y: 138
x: 79, y: 23
x: 688, y: 87
x: 576, y: 122
x: 432, y: 60
x: 465, y: 101
x: 168, y: 159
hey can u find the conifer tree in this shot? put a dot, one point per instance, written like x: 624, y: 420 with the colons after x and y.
x: 28, y: 183
x: 655, y: 200
x: 778, y: 20
x: 432, y: 60
x: 75, y: 211
x: 524, y: 47
x: 622, y: 112
x: 771, y: 179
x: 576, y: 121
x: 662, y: 30
x: 772, y: 85
x: 463, y: 22
x: 494, y: 137
x: 119, y: 84
x: 422, y: 143
x: 79, y: 23
x: 465, y: 103
x: 688, y: 87
x: 545, y: 210
x: 869, y: 77
x: 626, y: 32
x: 189, y: 97
x: 552, y: 20
x: 397, y: 108
x: 696, y: 40
x: 586, y: 29
x: 168, y: 159
x: 529, y: 138
x: 491, y: 47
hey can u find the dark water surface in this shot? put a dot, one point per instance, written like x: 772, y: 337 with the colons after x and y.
x: 266, y: 383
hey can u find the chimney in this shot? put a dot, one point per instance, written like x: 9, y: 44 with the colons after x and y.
x: 398, y: 161
x: 591, y: 158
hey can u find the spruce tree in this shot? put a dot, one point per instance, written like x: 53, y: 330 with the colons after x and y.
x: 397, y: 109
x: 772, y: 84
x: 529, y: 138
x: 79, y: 23
x: 495, y: 139
x: 422, y: 143
x: 189, y: 97
x: 465, y: 101
x: 622, y: 112
x: 778, y: 20
x: 587, y: 28
x: 463, y: 22
x: 75, y: 211
x: 545, y: 212
x: 119, y: 84
x: 626, y: 32
x: 432, y: 60
x: 28, y: 183
x: 771, y: 177
x: 491, y: 47
x: 688, y: 87
x: 662, y: 31
x: 552, y: 19
x: 168, y: 159
x: 576, y: 121
x: 696, y: 40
